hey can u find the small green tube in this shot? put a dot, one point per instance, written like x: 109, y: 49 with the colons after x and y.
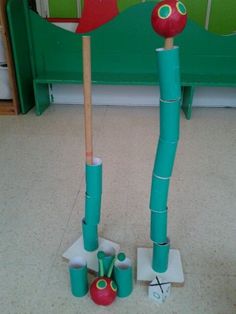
x: 123, y: 277
x: 90, y: 236
x: 92, y: 209
x: 78, y: 276
x: 159, y: 193
x: 160, y: 257
x: 169, y: 73
x: 169, y: 120
x: 165, y: 157
x: 93, y: 174
x: 158, y: 230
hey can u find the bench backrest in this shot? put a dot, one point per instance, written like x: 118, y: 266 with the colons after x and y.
x: 123, y: 50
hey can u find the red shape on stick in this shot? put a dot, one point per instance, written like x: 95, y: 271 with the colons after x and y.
x: 169, y: 18
x: 96, y: 13
x: 103, y: 291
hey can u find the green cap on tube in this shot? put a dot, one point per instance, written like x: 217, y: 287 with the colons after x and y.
x: 121, y: 256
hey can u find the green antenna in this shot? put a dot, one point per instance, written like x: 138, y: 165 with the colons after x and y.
x: 100, y: 256
x: 111, y: 267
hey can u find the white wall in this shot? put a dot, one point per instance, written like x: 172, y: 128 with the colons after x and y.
x: 140, y: 95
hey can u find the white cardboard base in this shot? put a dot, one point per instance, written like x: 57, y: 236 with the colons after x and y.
x: 174, y: 273
x: 77, y: 249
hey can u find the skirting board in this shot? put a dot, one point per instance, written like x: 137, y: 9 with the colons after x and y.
x: 77, y: 249
x: 174, y: 273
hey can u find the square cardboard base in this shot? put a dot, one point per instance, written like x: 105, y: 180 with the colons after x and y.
x: 77, y: 249
x: 174, y: 273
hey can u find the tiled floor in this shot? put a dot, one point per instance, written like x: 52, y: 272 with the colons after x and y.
x: 42, y: 196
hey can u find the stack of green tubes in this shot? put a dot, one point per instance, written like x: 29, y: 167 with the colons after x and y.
x: 93, y: 196
x: 170, y: 94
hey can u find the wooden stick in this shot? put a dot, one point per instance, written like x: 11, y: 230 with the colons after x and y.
x: 87, y: 100
x: 169, y: 43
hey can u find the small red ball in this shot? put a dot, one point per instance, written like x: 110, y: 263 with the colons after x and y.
x: 169, y: 18
x: 103, y: 291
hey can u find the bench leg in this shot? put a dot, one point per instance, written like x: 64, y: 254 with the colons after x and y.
x: 42, y: 98
x: 187, y: 101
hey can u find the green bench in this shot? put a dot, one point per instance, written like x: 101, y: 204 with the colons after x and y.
x: 123, y: 53
x: 207, y: 59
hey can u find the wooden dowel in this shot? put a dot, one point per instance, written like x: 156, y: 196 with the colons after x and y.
x: 169, y: 43
x: 87, y: 99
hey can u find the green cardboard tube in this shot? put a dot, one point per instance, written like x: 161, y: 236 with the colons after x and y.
x: 78, y: 276
x: 90, y: 236
x: 158, y: 232
x: 93, y: 174
x: 165, y: 157
x: 160, y: 257
x: 159, y: 193
x: 92, y: 209
x: 123, y: 277
x: 169, y: 120
x: 169, y: 73
x: 109, y: 254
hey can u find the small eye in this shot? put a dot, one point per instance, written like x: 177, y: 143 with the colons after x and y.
x: 181, y: 8
x: 164, y: 11
x: 101, y: 284
x: 113, y: 286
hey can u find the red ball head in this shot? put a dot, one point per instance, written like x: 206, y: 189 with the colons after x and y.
x: 103, y: 291
x: 169, y: 18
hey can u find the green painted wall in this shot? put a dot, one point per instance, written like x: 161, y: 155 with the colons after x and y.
x: 223, y: 17
x: 125, y: 4
x: 63, y: 8
x: 196, y: 10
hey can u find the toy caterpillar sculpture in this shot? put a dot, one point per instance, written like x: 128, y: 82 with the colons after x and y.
x: 103, y: 289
